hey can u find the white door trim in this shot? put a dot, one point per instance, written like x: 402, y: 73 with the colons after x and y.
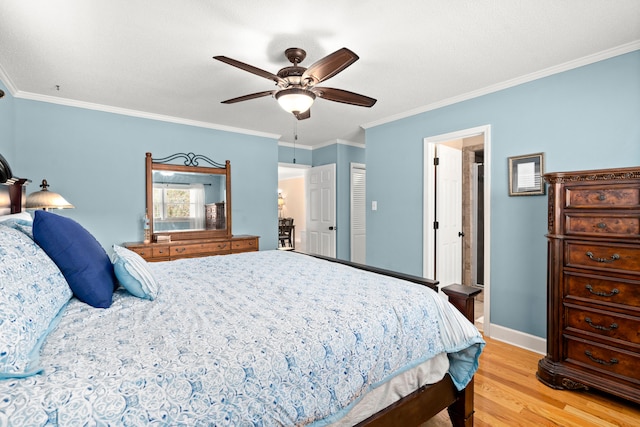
x: 428, y: 208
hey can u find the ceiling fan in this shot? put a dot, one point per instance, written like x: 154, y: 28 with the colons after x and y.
x: 297, y: 85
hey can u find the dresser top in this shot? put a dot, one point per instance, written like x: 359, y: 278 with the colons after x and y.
x: 593, y: 175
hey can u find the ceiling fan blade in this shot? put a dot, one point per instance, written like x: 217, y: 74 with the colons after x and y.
x: 344, y: 96
x: 250, y: 68
x: 330, y: 65
x: 302, y: 116
x: 248, y: 97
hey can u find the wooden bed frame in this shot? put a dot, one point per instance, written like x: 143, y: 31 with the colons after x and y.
x: 429, y: 400
x: 415, y: 408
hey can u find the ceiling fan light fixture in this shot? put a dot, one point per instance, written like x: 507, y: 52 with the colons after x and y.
x: 295, y: 99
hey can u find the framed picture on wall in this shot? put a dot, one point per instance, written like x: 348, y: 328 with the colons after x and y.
x: 525, y: 175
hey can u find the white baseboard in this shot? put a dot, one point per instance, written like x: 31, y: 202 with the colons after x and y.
x: 519, y: 339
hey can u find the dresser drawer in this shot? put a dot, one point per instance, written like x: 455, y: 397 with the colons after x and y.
x: 215, y: 248
x: 619, y: 258
x: 619, y: 294
x: 618, y: 226
x: 603, y: 359
x: 144, y: 252
x: 605, y: 324
x: 613, y: 196
x: 161, y: 252
x: 245, y: 245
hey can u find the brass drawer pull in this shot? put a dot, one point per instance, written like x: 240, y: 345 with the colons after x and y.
x: 613, y: 257
x: 599, y: 327
x: 602, y: 294
x: 612, y: 361
x: 180, y: 250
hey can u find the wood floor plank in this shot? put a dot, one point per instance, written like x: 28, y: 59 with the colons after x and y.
x: 507, y: 393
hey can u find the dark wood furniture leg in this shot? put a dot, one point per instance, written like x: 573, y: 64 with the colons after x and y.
x: 463, y: 298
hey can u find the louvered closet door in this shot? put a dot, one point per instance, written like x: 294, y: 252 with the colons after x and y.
x: 358, y: 213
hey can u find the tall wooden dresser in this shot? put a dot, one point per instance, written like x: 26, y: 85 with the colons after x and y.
x: 593, y: 282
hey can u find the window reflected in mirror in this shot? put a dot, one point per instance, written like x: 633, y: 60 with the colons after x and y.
x: 188, y: 201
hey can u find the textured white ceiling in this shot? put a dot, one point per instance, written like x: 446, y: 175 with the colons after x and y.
x: 154, y: 57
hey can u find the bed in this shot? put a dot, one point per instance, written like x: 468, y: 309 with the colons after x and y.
x: 257, y: 339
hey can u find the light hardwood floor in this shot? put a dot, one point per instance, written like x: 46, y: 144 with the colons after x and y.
x: 507, y: 393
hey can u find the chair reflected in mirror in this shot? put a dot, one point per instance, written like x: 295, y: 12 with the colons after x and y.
x: 286, y: 234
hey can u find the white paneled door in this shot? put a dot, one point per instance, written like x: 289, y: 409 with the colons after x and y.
x: 321, y: 210
x: 449, y: 215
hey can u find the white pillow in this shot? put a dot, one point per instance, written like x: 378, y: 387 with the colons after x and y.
x: 22, y: 216
x: 32, y: 293
x: 133, y: 273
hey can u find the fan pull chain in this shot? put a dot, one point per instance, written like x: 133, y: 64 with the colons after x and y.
x: 295, y: 139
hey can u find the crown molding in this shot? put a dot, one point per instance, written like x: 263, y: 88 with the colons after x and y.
x: 4, y: 77
x: 136, y: 113
x: 586, y: 60
x: 322, y: 145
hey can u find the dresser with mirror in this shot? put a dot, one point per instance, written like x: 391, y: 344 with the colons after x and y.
x: 188, y: 207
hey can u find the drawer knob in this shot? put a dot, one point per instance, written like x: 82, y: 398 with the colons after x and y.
x: 612, y: 361
x: 613, y: 258
x: 601, y: 196
x: 602, y: 225
x: 600, y: 327
x: 613, y: 292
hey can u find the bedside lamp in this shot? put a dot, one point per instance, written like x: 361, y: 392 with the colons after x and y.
x: 45, y: 199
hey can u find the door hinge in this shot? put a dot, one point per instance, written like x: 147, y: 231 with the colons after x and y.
x: 436, y: 161
x: 435, y: 225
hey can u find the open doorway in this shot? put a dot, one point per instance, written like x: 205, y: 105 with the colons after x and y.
x: 291, y: 188
x: 472, y: 220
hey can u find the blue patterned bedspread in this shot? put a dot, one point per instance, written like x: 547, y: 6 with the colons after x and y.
x: 256, y: 339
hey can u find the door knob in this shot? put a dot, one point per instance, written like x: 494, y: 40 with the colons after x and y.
x: 333, y: 228
x: 460, y: 234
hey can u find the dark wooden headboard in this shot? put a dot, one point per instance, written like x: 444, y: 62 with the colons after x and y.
x: 13, y: 196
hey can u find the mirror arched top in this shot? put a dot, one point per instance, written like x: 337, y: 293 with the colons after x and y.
x: 186, y: 200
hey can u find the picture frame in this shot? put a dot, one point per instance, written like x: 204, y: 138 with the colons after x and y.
x: 525, y: 175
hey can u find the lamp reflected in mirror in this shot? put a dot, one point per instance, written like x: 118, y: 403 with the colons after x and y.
x: 280, y: 204
x: 45, y: 199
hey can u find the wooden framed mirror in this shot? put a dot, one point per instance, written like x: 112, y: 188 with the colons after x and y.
x: 188, y: 201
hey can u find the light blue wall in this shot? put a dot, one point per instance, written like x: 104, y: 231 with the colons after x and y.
x: 342, y: 155
x: 288, y: 154
x: 96, y: 160
x: 586, y: 118
x: 7, y: 127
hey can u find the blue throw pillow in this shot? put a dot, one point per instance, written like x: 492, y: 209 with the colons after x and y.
x: 82, y: 260
x: 133, y: 273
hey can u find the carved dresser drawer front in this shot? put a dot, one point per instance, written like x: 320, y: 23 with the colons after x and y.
x: 612, y: 197
x: 160, y: 252
x: 604, y: 359
x: 620, y: 294
x: 620, y: 226
x: 245, y: 245
x: 623, y: 259
x: 144, y: 252
x: 198, y: 249
x: 605, y: 324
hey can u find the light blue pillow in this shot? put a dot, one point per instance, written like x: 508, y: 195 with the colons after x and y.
x: 32, y: 293
x: 133, y: 273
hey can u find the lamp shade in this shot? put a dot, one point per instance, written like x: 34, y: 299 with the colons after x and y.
x: 45, y: 199
x: 295, y: 100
